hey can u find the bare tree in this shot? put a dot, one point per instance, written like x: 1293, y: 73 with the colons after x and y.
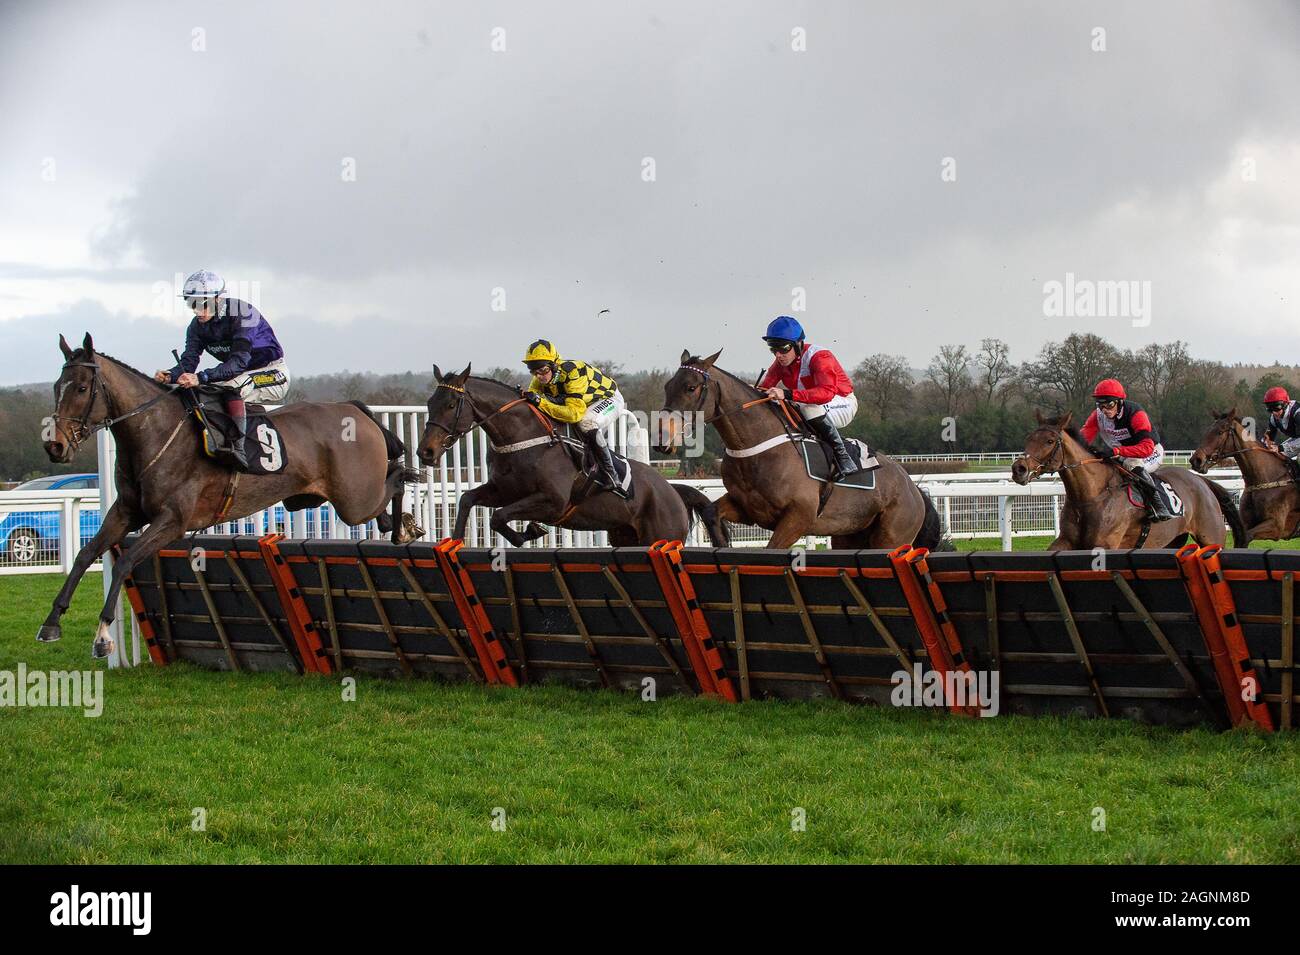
x: 994, y: 367
x: 949, y: 372
x: 1157, y: 369
x: 882, y: 383
x: 1066, y: 372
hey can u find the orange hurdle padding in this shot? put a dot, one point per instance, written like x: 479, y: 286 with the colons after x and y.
x: 1234, y: 638
x: 142, y: 620
x: 305, y: 634
x: 1197, y: 583
x: 682, y: 619
x: 708, y: 647
x: 932, y: 620
x: 491, y: 655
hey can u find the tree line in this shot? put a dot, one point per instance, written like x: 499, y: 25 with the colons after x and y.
x: 970, y: 397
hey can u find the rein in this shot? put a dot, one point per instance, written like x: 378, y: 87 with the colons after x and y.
x: 792, y: 429
x: 455, y: 433
x: 1220, y: 454
x: 1042, y: 465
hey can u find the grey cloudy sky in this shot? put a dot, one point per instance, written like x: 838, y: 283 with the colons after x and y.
x: 130, y: 157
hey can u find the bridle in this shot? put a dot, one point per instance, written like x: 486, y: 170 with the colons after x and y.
x: 455, y: 433
x: 82, y: 428
x: 1043, y: 465
x: 1219, y: 453
x: 787, y: 421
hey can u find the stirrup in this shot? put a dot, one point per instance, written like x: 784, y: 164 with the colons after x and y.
x: 853, y: 468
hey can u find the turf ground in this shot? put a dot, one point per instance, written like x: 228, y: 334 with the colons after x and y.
x: 286, y: 771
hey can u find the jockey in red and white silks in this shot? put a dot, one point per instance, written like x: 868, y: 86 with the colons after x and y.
x: 1125, y: 428
x: 813, y: 379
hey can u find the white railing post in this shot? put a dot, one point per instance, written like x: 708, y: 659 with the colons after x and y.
x: 1004, y: 520
x: 69, y: 533
x: 106, y: 453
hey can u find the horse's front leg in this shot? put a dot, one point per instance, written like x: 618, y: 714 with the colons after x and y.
x: 794, y: 524
x: 539, y: 506
x: 162, y: 530
x: 117, y: 523
x: 485, y: 495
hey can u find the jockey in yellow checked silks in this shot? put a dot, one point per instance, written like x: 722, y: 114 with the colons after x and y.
x: 577, y: 393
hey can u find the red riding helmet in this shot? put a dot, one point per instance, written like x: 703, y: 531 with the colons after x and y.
x: 1110, y: 388
x: 1275, y: 394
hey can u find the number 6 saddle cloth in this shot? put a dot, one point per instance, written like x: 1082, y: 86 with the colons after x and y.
x: 262, y: 443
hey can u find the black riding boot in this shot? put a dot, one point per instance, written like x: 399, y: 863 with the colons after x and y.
x: 238, y: 418
x: 604, y: 458
x: 1154, y: 499
x: 823, y: 428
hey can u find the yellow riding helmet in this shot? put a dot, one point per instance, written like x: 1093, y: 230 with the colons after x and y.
x: 541, y: 350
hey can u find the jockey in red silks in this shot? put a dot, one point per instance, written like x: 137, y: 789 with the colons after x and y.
x: 1132, y: 439
x: 812, y: 378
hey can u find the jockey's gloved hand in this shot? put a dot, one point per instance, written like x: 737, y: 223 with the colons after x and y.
x: 533, y: 398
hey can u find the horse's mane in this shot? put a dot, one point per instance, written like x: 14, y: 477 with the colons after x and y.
x: 1075, y: 433
x: 495, y: 381
x: 81, y: 355
x: 694, y: 360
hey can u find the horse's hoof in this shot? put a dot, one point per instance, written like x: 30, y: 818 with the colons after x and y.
x: 409, y: 530
x: 102, y: 648
x: 49, y: 633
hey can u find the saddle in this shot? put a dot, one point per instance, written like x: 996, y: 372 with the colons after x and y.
x: 819, y: 462
x: 581, y: 457
x: 262, y: 443
x: 1137, y: 496
x: 821, y: 467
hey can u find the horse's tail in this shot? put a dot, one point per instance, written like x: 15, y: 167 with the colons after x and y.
x: 1240, y: 536
x: 701, y: 509
x: 931, y: 535
x: 396, y: 449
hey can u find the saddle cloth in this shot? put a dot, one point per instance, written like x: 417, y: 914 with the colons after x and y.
x: 581, y: 456
x: 819, y: 463
x: 1165, y: 490
x: 263, y: 445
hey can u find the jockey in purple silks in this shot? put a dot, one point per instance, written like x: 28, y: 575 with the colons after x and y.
x: 252, y: 366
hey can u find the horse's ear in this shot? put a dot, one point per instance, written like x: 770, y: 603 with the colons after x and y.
x: 88, y: 345
x: 1039, y: 415
x: 464, y: 375
x: 437, y: 375
x: 1216, y: 415
x: 686, y: 356
x: 66, y: 348
x: 708, y: 362
x: 1232, y: 412
x: 1065, y: 421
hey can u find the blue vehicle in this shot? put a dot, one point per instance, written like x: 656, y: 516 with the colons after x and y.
x: 32, y: 536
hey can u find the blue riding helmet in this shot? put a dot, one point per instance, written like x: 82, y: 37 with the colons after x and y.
x: 784, y: 328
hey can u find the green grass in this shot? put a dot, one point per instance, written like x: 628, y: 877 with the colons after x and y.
x: 412, y: 771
